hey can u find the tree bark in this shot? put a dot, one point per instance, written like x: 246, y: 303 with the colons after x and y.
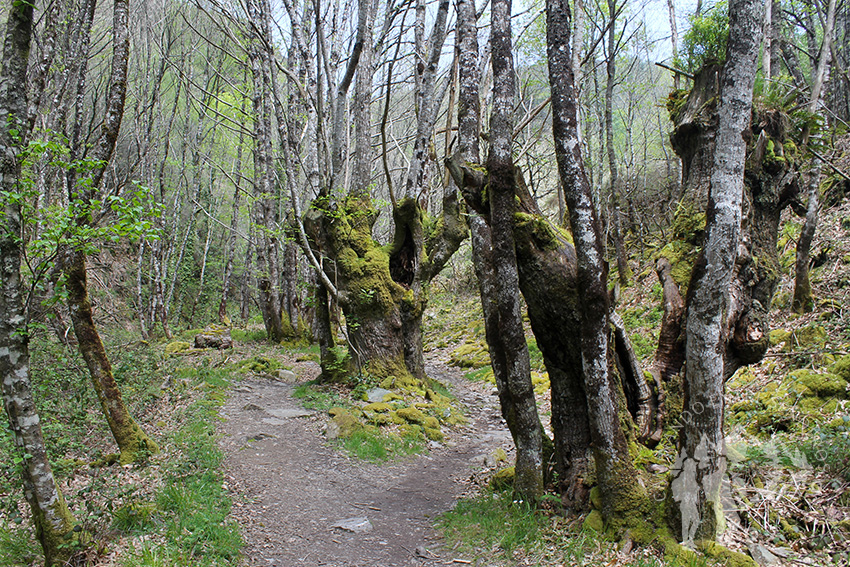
x: 133, y: 443
x: 51, y: 516
x: 803, y: 301
x: 500, y: 169
x: 621, y: 493
x: 701, y: 465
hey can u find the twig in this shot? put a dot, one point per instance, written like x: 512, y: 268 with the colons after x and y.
x: 679, y: 71
x: 827, y: 162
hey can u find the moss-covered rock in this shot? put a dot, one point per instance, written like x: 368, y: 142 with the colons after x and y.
x: 379, y: 407
x: 470, y: 355
x: 177, y: 346
x: 433, y: 434
x: 346, y: 425
x: 503, y: 479
x: 411, y: 415
x: 842, y: 367
x: 824, y: 385
x: 594, y: 522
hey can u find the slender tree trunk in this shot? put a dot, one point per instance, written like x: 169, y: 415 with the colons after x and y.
x: 51, y: 516
x: 803, y: 301
x: 502, y: 193
x: 699, y: 470
x: 132, y: 441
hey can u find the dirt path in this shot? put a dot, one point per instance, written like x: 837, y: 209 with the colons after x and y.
x: 291, y: 487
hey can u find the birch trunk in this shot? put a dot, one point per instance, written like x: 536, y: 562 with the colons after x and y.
x: 51, y: 516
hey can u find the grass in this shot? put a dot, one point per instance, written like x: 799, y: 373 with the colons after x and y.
x: 490, y: 521
x: 378, y: 447
x: 500, y: 530
x: 188, y: 519
x: 316, y: 398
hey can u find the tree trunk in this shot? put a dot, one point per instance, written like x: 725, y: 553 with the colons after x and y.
x: 51, y: 516
x: 698, y: 473
x: 132, y: 441
x: 621, y: 493
x: 803, y: 301
x: 500, y: 170
x: 264, y: 204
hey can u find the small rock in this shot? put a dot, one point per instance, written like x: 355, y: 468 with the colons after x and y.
x: 355, y: 525
x: 656, y: 468
x: 762, y: 555
x: 288, y: 413
x: 434, y: 444
x: 286, y: 376
x: 251, y: 407
x: 214, y: 338
x: 332, y: 431
x: 260, y: 437
x: 376, y: 395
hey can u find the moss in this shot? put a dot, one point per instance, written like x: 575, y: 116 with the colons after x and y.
x: 411, y: 415
x: 431, y: 423
x: 177, y: 346
x: 379, y: 407
x: 433, y: 434
x: 538, y: 229
x: 842, y: 367
x: 596, y: 498
x: 503, y: 479
x: 675, y: 101
x: 594, y: 522
x: 824, y: 385
x: 470, y: 355
x: 727, y: 556
x: 348, y: 424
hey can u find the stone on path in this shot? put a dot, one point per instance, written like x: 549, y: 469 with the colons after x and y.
x: 356, y: 525
x: 286, y: 376
x: 762, y: 555
x: 289, y: 413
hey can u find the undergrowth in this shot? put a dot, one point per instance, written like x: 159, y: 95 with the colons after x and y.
x: 377, y: 447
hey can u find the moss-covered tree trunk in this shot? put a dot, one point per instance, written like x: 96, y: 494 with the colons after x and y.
x: 383, y: 290
x: 621, y: 494
x: 51, y: 517
x: 132, y: 442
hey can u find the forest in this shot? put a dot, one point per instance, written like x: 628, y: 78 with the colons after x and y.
x: 409, y: 282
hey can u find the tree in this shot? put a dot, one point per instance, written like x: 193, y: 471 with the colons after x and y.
x: 699, y: 470
x: 133, y: 443
x: 53, y: 521
x: 621, y: 493
x: 502, y: 195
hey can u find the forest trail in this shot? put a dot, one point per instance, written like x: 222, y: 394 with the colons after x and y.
x: 291, y: 487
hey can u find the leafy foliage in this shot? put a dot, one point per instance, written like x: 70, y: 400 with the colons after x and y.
x: 705, y: 41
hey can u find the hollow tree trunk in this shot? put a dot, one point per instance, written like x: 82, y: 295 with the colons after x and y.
x: 51, y: 516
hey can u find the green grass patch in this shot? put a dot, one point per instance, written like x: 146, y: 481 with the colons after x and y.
x: 314, y: 397
x: 378, y: 447
x: 17, y: 546
x: 190, y: 512
x: 249, y: 335
x: 490, y: 521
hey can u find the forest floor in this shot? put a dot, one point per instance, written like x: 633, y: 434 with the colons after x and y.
x: 302, y: 501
